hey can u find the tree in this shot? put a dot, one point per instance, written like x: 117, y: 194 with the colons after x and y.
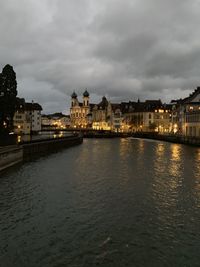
x: 8, y: 93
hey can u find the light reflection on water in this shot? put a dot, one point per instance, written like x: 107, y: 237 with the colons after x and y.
x: 120, y: 202
x: 176, y: 162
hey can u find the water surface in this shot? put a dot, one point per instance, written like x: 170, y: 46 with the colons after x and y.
x: 108, y: 202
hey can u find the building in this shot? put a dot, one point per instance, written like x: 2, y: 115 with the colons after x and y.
x: 80, y: 112
x: 117, y: 118
x: 27, y: 117
x: 107, y: 116
x: 55, y: 121
x: 186, y: 115
x: 148, y: 116
x: 34, y: 110
x: 101, y: 115
x: 21, y: 119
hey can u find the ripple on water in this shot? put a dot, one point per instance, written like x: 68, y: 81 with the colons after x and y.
x: 121, y: 202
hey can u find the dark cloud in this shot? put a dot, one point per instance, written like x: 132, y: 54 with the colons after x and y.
x: 119, y: 48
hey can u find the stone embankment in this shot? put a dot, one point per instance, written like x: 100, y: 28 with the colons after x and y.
x: 103, y: 134
x: 10, y: 155
x: 194, y: 141
x: 40, y: 147
x: 13, y: 154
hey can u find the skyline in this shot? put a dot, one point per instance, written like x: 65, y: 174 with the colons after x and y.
x: 121, y: 49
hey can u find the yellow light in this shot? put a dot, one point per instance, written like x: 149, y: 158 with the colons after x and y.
x: 175, y: 128
x: 18, y: 126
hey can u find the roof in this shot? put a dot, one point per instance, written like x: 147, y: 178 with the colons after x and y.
x: 187, y: 99
x: 32, y: 106
x: 92, y: 106
x: 147, y: 106
x: 192, y: 95
x: 21, y: 104
x: 115, y: 106
x: 86, y: 94
x: 74, y: 95
x: 103, y: 104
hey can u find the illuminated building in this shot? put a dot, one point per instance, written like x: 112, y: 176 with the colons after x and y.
x: 27, y: 117
x: 101, y: 115
x: 186, y: 115
x: 55, y: 121
x: 148, y: 116
x: 107, y: 116
x: 80, y: 112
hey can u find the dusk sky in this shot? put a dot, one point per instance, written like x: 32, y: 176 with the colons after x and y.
x: 124, y: 49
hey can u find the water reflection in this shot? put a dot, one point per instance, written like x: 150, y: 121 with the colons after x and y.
x: 159, y: 160
x: 167, y: 178
x: 141, y: 146
x: 141, y: 197
x: 175, y: 167
x: 197, y: 165
x: 197, y: 177
x: 160, y: 148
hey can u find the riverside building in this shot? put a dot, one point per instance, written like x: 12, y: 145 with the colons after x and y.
x: 186, y: 115
x: 107, y: 116
x: 81, y: 112
x: 27, y: 117
x: 148, y: 116
x: 55, y: 121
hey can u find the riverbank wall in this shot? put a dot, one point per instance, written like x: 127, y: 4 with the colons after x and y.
x: 41, y: 147
x: 103, y: 134
x: 194, y: 141
x: 11, y: 155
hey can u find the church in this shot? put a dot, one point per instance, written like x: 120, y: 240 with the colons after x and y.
x: 102, y: 116
x: 80, y: 112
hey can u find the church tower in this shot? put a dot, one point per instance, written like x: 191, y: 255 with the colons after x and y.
x: 74, y: 99
x: 86, y: 97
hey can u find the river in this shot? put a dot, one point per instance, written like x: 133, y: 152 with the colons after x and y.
x: 107, y: 202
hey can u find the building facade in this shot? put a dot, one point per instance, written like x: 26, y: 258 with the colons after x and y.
x: 27, y: 117
x: 148, y: 116
x: 80, y: 112
x: 55, y: 121
x: 186, y: 115
x: 101, y: 115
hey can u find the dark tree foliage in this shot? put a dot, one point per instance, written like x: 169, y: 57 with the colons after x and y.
x: 8, y: 93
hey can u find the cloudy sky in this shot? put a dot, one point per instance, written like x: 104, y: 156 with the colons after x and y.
x: 124, y: 49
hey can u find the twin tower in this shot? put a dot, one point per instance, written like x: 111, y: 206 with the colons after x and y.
x: 75, y: 102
